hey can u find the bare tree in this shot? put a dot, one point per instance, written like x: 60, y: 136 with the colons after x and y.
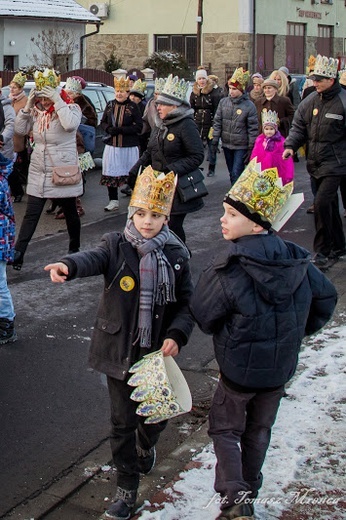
x: 55, y: 46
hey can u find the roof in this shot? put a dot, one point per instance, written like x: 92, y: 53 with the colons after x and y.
x: 54, y: 9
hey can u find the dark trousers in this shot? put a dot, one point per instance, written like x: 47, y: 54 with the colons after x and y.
x: 32, y: 215
x: 19, y: 175
x: 127, y: 429
x: 240, y: 426
x: 328, y: 224
x: 175, y: 223
x: 235, y: 163
x: 112, y: 193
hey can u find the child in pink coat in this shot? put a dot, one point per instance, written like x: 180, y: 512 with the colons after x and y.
x: 269, y: 147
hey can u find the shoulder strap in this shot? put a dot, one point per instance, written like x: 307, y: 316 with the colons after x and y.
x: 342, y: 96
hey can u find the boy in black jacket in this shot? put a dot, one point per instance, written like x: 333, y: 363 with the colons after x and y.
x: 258, y: 299
x: 143, y: 308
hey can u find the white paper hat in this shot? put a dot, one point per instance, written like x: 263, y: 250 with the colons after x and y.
x: 161, y: 388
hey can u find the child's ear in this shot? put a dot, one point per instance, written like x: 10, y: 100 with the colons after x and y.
x: 257, y: 228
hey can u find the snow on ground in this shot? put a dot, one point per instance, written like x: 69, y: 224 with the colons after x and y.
x: 304, y: 471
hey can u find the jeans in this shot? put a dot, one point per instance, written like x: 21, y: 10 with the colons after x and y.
x: 212, y: 151
x: 235, y: 162
x: 32, y: 215
x: 240, y: 425
x: 6, y: 303
x: 125, y: 426
x: 328, y: 224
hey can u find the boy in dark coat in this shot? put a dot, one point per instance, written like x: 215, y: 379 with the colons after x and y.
x: 143, y: 308
x: 258, y: 299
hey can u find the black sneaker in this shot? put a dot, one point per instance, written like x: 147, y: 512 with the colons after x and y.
x: 126, y: 191
x: 319, y: 260
x: 123, y: 505
x: 338, y: 253
x: 7, y: 331
x: 146, y: 459
x: 237, y: 512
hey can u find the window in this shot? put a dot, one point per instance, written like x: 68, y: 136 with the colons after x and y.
x: 185, y: 44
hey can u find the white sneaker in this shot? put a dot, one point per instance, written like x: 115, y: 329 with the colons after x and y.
x: 112, y: 206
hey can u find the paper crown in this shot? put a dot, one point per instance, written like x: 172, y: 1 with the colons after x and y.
x: 47, y: 78
x: 139, y: 87
x: 311, y: 64
x: 326, y: 67
x: 174, y: 90
x: 121, y: 84
x: 154, y: 191
x: 159, y: 84
x: 74, y: 85
x: 162, y: 390
x: 269, y: 117
x: 260, y: 192
x: 19, y: 78
x: 240, y: 78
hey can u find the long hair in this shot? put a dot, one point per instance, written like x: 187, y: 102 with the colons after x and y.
x: 284, y: 87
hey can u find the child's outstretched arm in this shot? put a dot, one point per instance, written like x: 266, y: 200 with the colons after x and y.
x: 58, y: 272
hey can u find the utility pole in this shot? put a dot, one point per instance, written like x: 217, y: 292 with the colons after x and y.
x: 199, y: 32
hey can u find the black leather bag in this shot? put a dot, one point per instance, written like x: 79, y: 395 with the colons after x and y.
x: 191, y: 186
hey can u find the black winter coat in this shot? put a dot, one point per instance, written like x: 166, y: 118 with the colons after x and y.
x: 123, y: 123
x: 175, y: 146
x: 320, y: 122
x: 259, y: 299
x: 204, y: 103
x: 112, y: 351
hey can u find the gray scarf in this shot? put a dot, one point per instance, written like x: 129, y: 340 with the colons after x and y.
x: 156, y: 275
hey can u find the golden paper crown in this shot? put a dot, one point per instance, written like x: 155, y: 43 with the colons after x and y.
x: 311, y: 64
x: 269, y: 117
x: 154, y: 191
x: 19, y: 78
x: 326, y: 67
x: 121, y: 84
x: 159, y: 84
x: 240, y: 78
x: 261, y: 192
x: 175, y: 88
x: 47, y: 78
x: 139, y: 87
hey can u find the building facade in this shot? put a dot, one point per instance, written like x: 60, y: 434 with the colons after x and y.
x: 258, y: 34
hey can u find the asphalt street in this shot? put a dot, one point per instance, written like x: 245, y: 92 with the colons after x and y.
x: 53, y: 408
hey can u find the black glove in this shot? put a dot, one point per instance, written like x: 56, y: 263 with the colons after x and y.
x: 112, y: 130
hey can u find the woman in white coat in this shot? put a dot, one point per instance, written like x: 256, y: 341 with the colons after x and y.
x: 53, y: 119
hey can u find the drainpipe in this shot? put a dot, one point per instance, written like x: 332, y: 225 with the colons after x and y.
x: 82, y: 42
x: 254, y: 46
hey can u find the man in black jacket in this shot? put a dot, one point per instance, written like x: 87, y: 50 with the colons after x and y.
x: 320, y: 123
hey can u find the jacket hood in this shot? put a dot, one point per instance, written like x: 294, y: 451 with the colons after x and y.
x: 6, y: 166
x: 277, y: 267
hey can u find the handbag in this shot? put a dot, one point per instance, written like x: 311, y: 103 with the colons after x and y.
x: 66, y: 175
x: 191, y: 186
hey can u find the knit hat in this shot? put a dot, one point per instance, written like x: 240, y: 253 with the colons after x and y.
x: 201, y: 73
x: 214, y: 78
x: 256, y: 75
x: 285, y: 70
x: 257, y: 80
x: 132, y: 77
x: 239, y: 79
x: 174, y: 92
x: 270, y: 83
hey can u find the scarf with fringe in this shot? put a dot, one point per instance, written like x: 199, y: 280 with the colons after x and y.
x: 157, y: 280
x: 44, y: 117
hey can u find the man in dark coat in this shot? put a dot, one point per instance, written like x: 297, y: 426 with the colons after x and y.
x: 320, y: 122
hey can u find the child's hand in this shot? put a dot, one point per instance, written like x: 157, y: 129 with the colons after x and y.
x: 169, y: 347
x: 58, y: 272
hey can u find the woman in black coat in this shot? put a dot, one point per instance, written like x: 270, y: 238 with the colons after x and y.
x: 174, y: 146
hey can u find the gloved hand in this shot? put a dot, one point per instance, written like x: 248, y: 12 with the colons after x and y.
x: 50, y: 93
x: 113, y: 130
x: 30, y: 101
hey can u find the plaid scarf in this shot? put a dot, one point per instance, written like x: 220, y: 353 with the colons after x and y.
x: 156, y: 277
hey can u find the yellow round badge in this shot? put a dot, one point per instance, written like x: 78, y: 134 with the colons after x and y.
x: 315, y: 111
x: 239, y: 111
x: 127, y: 283
x: 170, y: 137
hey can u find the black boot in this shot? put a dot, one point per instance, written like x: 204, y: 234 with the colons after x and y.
x: 7, y: 332
x: 18, y: 260
x: 123, y: 505
x: 211, y: 171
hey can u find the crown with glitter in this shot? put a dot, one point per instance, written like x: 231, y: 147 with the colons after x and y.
x: 139, y: 87
x: 311, y: 64
x: 47, y: 78
x: 240, y: 78
x: 154, y: 191
x: 259, y: 195
x: 174, y: 91
x: 326, y: 67
x: 161, y: 389
x: 121, y: 84
x: 74, y: 85
x: 269, y: 117
x: 19, y: 78
x: 159, y: 84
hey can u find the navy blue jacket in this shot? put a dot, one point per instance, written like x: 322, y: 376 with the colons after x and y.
x: 259, y: 299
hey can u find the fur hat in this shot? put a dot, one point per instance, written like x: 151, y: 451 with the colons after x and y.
x: 270, y: 83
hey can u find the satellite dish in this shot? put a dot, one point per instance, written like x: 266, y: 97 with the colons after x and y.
x: 94, y: 9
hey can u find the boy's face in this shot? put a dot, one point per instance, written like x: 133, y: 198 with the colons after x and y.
x: 234, y: 92
x: 269, y: 130
x: 235, y: 225
x: 148, y: 223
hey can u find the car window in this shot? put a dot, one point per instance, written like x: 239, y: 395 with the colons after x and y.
x: 108, y: 94
x: 96, y: 100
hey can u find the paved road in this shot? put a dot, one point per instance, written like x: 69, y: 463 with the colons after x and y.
x: 53, y: 408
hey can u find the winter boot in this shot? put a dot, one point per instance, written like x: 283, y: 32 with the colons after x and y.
x: 211, y: 171
x: 237, y: 512
x: 7, y: 332
x: 146, y: 459
x: 123, y: 505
